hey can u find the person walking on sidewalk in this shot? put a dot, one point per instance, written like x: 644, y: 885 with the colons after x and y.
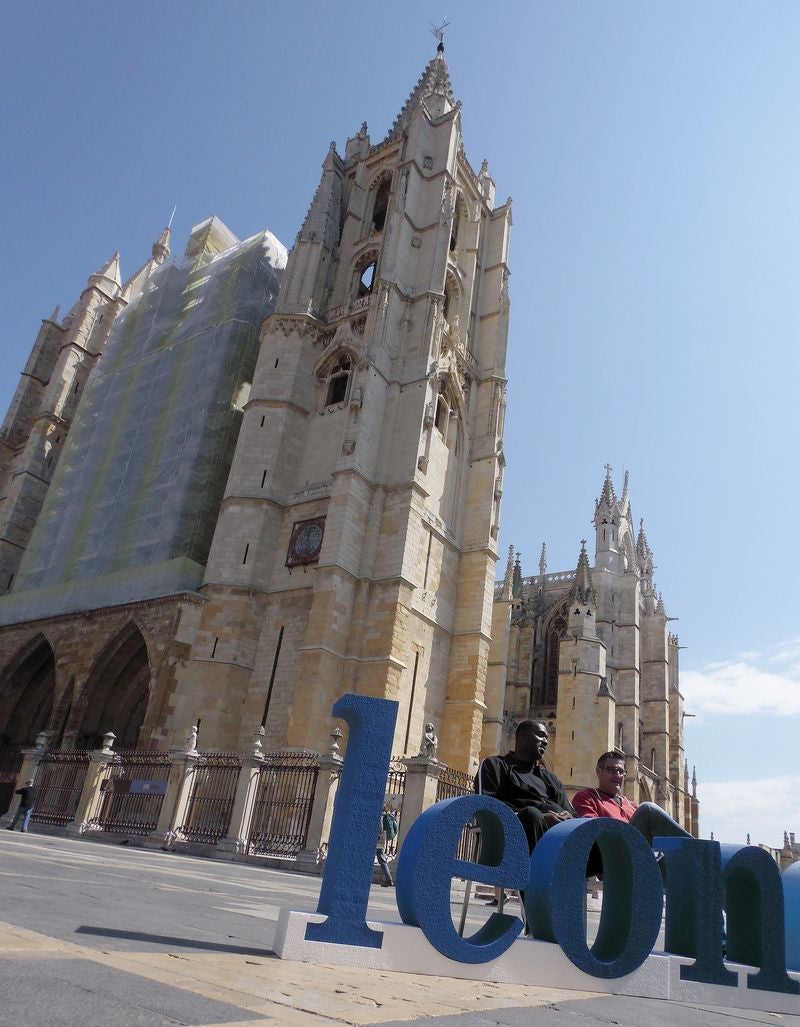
x: 27, y: 796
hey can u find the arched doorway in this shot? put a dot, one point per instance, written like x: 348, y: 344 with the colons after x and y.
x: 26, y: 705
x: 117, y: 691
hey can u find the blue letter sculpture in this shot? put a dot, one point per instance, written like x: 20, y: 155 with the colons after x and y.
x: 555, y: 900
x: 356, y: 822
x: 694, y: 908
x: 427, y: 864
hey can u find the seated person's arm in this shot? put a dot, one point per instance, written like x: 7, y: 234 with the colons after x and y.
x: 586, y: 805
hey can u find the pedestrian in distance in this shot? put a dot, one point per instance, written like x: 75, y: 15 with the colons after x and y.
x: 27, y: 796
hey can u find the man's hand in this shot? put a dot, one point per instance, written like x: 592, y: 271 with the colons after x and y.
x: 553, y: 817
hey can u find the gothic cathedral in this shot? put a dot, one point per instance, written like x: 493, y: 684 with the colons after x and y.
x: 243, y: 483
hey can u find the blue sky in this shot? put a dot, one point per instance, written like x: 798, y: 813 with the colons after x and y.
x: 652, y: 151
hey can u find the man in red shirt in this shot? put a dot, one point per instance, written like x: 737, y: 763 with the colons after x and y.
x: 607, y: 800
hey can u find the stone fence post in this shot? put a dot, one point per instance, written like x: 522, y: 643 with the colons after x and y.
x: 235, y: 841
x: 91, y: 797
x: 310, y: 859
x: 30, y: 764
x: 176, y: 797
x: 422, y: 779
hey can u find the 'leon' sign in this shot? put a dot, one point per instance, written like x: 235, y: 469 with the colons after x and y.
x: 763, y: 906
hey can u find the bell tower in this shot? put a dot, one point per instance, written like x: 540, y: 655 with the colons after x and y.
x: 357, y: 542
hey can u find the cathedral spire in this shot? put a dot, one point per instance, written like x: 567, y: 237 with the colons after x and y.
x: 508, y: 580
x: 161, y: 246
x: 608, y: 496
x: 110, y: 271
x: 583, y: 589
x: 543, y: 561
x: 517, y: 587
x: 433, y: 90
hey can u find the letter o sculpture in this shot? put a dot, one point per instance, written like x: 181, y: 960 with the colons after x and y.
x: 555, y: 900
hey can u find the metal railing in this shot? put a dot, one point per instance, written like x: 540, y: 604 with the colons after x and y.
x: 10, y: 766
x: 395, y: 792
x: 284, y: 799
x: 59, y: 783
x: 450, y: 785
x: 133, y: 792
x: 213, y: 790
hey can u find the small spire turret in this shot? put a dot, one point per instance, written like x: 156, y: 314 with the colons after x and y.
x: 508, y: 580
x: 517, y: 587
x: 161, y: 246
x: 583, y: 590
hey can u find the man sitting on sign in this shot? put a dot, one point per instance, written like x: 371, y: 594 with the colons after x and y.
x: 520, y: 780
x: 607, y: 800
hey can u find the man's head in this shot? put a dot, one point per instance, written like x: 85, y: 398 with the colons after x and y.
x: 531, y: 740
x: 610, y: 772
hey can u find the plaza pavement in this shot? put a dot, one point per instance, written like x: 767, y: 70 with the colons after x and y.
x: 94, y: 934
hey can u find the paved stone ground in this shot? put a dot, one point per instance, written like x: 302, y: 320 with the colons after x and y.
x: 94, y: 934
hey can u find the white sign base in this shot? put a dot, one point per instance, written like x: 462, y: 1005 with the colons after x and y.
x: 536, y: 963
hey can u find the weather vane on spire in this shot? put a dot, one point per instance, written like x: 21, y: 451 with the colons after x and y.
x: 439, y: 33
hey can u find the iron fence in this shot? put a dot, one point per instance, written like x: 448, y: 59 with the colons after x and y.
x: 213, y: 790
x: 393, y: 800
x: 59, y: 783
x: 282, y: 809
x: 10, y: 766
x: 133, y: 792
x: 450, y: 785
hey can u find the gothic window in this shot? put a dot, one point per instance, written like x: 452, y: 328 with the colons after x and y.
x: 337, y: 381
x: 365, y: 275
x: 380, y: 205
x: 450, y: 305
x: 621, y: 737
x: 458, y: 216
x: 556, y: 630
x: 443, y: 407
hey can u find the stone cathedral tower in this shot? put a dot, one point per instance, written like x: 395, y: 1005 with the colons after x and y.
x: 591, y: 652
x: 357, y: 540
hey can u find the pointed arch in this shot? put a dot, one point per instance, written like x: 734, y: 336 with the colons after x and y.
x: 335, y: 373
x: 117, y: 691
x: 460, y: 214
x: 448, y: 447
x: 554, y: 630
x: 378, y: 203
x: 26, y: 696
x: 365, y: 270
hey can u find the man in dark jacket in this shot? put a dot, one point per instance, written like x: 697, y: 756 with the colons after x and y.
x: 520, y: 780
x: 27, y: 795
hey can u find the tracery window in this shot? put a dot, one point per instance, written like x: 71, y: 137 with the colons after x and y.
x: 380, y: 206
x: 556, y: 630
x: 338, y: 380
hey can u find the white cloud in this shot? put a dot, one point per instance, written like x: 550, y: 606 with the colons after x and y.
x: 765, y: 808
x: 752, y: 682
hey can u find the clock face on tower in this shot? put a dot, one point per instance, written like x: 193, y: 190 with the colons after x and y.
x: 306, y: 542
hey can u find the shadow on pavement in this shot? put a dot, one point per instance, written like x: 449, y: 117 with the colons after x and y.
x: 165, y: 939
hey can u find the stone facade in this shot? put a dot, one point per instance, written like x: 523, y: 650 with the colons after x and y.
x: 354, y: 547
x: 590, y: 653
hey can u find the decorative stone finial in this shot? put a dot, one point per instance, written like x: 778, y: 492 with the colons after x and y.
x: 336, y: 734
x: 108, y: 741
x: 257, y: 746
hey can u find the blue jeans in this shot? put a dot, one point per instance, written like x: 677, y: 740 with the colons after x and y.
x: 24, y: 815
